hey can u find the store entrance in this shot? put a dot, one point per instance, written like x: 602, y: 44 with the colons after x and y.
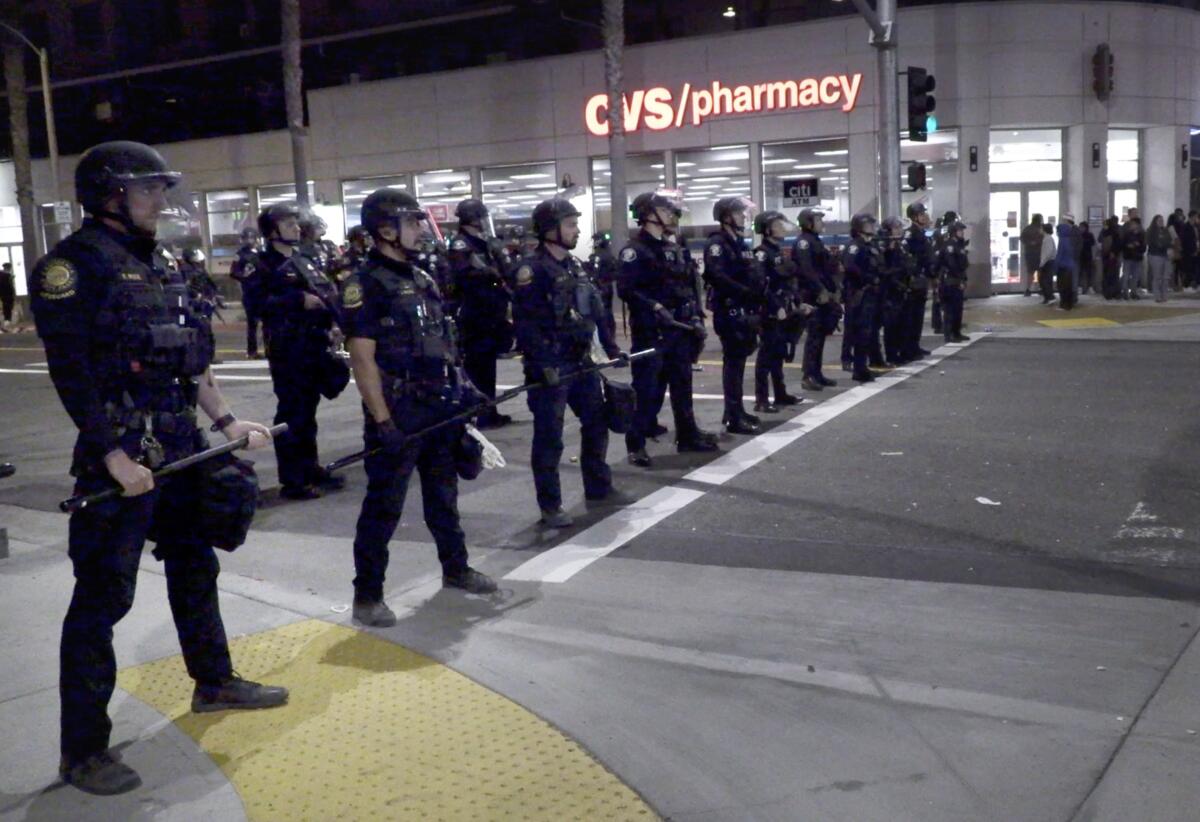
x: 1009, y: 211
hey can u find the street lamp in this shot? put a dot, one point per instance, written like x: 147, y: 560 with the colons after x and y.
x: 51, y: 135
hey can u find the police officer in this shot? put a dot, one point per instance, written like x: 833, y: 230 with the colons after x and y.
x: 863, y: 262
x: 301, y: 319
x: 201, y: 286
x: 313, y: 244
x: 556, y: 309
x: 738, y: 298
x: 358, y: 243
x: 402, y: 348
x: 940, y: 237
x: 129, y: 355
x: 245, y: 270
x: 657, y: 284
x: 602, y: 266
x: 924, y: 258
x: 952, y: 268
x: 484, y: 298
x: 897, y: 271
x: 783, y: 312
x: 818, y: 288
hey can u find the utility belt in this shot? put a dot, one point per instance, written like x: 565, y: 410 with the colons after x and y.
x: 953, y: 279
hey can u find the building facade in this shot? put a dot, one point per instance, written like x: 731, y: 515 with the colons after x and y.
x: 785, y: 115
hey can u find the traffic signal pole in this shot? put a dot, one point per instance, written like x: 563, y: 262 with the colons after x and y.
x: 882, y: 21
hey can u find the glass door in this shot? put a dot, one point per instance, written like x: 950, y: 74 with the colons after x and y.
x: 1005, y: 218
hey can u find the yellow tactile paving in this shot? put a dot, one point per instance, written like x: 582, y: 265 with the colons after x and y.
x: 374, y: 731
x: 1079, y: 322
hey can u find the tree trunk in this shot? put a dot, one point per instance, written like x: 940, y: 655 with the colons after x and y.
x: 293, y: 92
x: 18, y: 122
x: 614, y: 59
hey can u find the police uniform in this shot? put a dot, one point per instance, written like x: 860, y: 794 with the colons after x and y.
x: 782, y: 294
x: 898, y: 267
x: 125, y: 346
x: 730, y: 272
x: 484, y: 297
x: 298, y: 339
x: 952, y: 266
x: 863, y: 262
x: 602, y: 266
x: 399, y: 306
x: 920, y: 248
x: 819, y: 290
x: 201, y: 287
x: 655, y: 272
x: 555, y: 313
x: 246, y: 269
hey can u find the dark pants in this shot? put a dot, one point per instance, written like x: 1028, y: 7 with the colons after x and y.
x: 670, y: 368
x: 768, y: 366
x: 586, y: 399
x: 254, y: 316
x: 105, y: 545
x: 298, y: 395
x: 874, y: 349
x: 1066, y: 287
x: 814, y: 343
x: 935, y: 312
x: 952, y: 310
x: 480, y: 365
x: 387, y: 485
x: 857, y: 340
x: 7, y: 298
x: 893, y: 328
x: 913, y: 312
x: 1086, y: 275
x: 1046, y: 280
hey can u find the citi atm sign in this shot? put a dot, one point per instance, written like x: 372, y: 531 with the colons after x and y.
x: 661, y: 108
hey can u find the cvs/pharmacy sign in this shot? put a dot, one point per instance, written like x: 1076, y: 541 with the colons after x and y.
x: 660, y: 108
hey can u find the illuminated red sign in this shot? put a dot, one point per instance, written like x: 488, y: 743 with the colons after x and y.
x: 659, y: 108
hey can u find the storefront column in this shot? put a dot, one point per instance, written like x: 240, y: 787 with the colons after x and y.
x: 477, y: 182
x: 669, y: 169
x: 1164, y: 175
x: 974, y: 194
x: 1085, y: 185
x: 756, y: 175
x: 864, y: 173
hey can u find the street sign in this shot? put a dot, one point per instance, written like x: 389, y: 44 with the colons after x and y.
x: 802, y: 192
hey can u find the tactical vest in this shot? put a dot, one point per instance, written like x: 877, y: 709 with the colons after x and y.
x: 416, y: 340
x: 295, y: 333
x: 577, y: 307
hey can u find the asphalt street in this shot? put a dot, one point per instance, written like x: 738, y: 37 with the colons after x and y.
x: 969, y: 591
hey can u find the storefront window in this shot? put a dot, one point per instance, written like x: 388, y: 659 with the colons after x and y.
x: 179, y: 228
x: 1123, y: 181
x: 440, y: 191
x: 355, y: 191
x: 512, y: 192
x: 706, y: 176
x: 11, y: 250
x: 940, y: 157
x: 285, y: 193
x: 1027, y: 156
x: 228, y: 214
x: 643, y: 172
x: 820, y: 165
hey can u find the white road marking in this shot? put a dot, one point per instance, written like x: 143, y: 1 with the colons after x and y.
x: 1141, y: 514
x: 569, y: 558
x: 1149, y: 532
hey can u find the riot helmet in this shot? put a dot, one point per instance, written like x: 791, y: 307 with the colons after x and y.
x: 471, y: 212
x: 764, y: 221
x: 809, y: 217
x: 726, y: 208
x: 312, y: 226
x: 548, y: 218
x: 388, y: 208
x: 270, y: 218
x: 110, y: 169
x: 893, y: 227
x: 193, y: 256
x: 249, y: 235
x: 601, y: 239
x: 863, y: 223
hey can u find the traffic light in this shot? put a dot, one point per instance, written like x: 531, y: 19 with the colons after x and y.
x: 920, y: 103
x: 1102, y: 72
x: 916, y: 176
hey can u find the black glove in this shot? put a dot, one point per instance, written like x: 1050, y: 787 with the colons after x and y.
x: 664, y: 314
x: 392, y: 438
x: 550, y: 376
x: 620, y: 356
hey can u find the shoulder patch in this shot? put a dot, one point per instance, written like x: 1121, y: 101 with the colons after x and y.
x: 628, y: 254
x: 59, y: 280
x: 459, y: 245
x: 803, y: 245
x: 853, y: 249
x: 524, y: 275
x: 714, y: 250
x: 761, y: 256
x: 352, y: 297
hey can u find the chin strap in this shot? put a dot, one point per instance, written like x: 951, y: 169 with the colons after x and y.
x: 122, y: 217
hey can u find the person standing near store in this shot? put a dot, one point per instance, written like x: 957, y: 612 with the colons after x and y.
x: 1087, y: 259
x: 1031, y: 251
x: 1158, y: 249
x: 782, y: 307
x: 920, y: 248
x: 484, y: 297
x: 402, y: 351
x: 863, y: 262
x: 602, y: 266
x: 1133, y: 256
x: 245, y: 270
x: 1046, y: 269
x: 554, y: 329
x: 8, y: 295
x: 738, y: 297
x: 301, y: 320
x: 1189, y: 250
x: 1110, y: 258
x: 952, y: 268
x: 657, y: 284
x: 1066, y: 261
x: 818, y: 288
x: 129, y: 357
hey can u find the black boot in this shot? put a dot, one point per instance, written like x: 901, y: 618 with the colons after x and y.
x: 825, y: 381
x: 766, y: 407
x: 101, y: 774
x: 863, y: 376
x: 373, y: 612
x: 471, y: 581
x: 787, y: 399
x: 640, y: 458
x: 810, y: 384
x: 237, y: 694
